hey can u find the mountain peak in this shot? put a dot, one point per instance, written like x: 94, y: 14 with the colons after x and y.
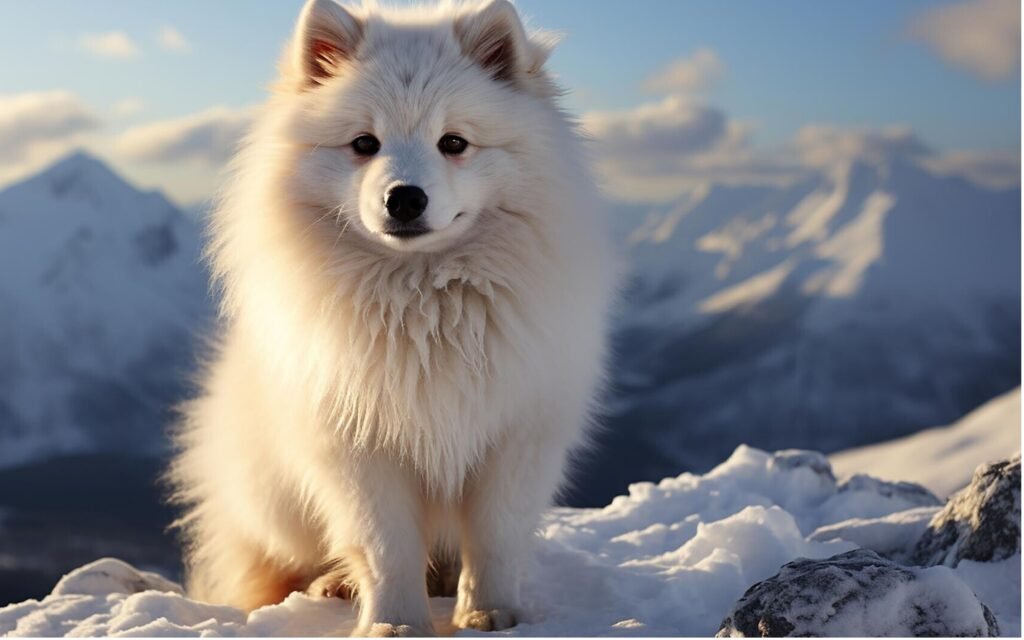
x: 78, y: 157
x: 77, y: 168
x: 85, y: 179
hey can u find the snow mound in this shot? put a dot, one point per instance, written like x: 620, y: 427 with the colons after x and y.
x: 111, y: 576
x: 859, y: 594
x: 893, y: 536
x: 670, y: 558
x: 982, y: 522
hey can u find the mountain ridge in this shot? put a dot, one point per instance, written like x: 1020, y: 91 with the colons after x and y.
x: 105, y: 297
x: 860, y: 303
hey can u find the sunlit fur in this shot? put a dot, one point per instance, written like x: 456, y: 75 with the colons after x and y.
x: 372, y: 400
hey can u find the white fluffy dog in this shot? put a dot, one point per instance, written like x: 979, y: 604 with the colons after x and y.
x: 415, y: 280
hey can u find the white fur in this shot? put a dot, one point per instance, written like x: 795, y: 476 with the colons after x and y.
x: 374, y: 399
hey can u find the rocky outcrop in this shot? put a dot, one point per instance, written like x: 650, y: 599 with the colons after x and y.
x: 859, y: 593
x: 981, y: 522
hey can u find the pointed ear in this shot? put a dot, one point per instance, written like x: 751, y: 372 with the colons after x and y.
x: 494, y: 37
x: 326, y: 35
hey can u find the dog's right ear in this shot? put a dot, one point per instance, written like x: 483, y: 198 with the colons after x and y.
x: 493, y: 36
x: 325, y: 37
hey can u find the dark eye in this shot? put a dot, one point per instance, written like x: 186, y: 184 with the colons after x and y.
x: 452, y: 145
x: 366, y: 145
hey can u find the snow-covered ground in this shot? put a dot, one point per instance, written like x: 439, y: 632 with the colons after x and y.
x: 943, y: 458
x: 671, y: 558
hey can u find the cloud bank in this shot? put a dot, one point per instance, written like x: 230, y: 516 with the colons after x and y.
x: 664, y: 150
x: 208, y: 137
x: 978, y: 36
x: 29, y: 121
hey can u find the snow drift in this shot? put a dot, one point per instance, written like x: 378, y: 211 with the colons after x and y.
x: 942, y: 459
x: 670, y: 558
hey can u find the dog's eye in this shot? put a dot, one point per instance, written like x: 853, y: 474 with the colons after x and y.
x: 452, y: 145
x: 366, y: 145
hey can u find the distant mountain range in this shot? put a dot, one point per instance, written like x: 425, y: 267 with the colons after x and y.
x: 103, y: 298
x: 872, y: 300
x: 855, y: 306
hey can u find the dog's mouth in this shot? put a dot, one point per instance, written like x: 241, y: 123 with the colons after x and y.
x: 408, y: 230
x: 406, y: 233
x: 403, y: 230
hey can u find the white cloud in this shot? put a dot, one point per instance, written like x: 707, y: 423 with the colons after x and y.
x: 660, y: 150
x: 825, y: 145
x: 979, y: 36
x: 664, y: 150
x: 672, y: 125
x: 36, y: 128
x: 128, y: 107
x: 31, y: 120
x: 993, y: 169
x: 209, y: 137
x: 687, y: 75
x: 112, y: 44
x: 170, y: 39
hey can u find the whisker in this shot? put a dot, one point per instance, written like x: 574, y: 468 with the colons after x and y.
x: 333, y: 211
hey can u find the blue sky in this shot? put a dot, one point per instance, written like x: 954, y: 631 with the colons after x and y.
x: 781, y: 65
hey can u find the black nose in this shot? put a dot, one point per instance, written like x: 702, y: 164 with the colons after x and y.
x: 406, y: 203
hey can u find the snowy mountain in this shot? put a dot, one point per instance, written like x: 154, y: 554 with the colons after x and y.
x: 102, y: 297
x: 859, y: 304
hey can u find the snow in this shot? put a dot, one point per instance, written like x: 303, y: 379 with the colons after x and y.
x: 749, y: 292
x: 893, y: 535
x: 670, y: 558
x: 943, y: 458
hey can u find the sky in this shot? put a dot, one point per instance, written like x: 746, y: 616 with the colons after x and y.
x: 749, y: 90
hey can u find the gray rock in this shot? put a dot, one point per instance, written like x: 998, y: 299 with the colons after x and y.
x: 797, y: 458
x: 859, y: 593
x: 981, y: 522
x: 909, y: 492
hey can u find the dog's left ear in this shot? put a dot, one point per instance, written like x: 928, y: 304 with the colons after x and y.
x: 494, y: 37
x: 325, y: 37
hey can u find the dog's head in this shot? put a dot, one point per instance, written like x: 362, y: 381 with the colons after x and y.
x: 412, y: 124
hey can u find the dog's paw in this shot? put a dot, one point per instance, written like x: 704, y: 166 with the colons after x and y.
x: 387, y: 630
x: 489, y: 620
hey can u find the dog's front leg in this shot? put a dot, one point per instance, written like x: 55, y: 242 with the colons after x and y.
x: 500, y: 512
x: 379, y: 537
